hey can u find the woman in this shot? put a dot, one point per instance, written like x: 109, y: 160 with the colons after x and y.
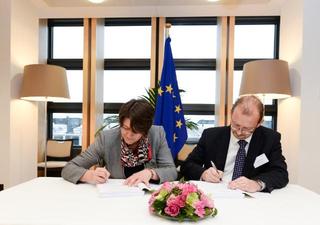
x: 136, y: 151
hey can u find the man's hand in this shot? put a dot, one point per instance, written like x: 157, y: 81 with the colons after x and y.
x: 98, y: 176
x: 212, y: 175
x: 245, y: 184
x: 143, y: 176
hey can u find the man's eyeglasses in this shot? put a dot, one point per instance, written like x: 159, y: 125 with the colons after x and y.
x: 243, y: 130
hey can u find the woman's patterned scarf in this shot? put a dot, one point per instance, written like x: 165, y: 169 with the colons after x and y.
x: 142, y: 154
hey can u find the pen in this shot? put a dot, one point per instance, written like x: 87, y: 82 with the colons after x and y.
x: 214, y: 167
x: 100, y: 162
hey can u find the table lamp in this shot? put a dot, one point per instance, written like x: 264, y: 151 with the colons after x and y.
x: 266, y: 78
x: 42, y: 82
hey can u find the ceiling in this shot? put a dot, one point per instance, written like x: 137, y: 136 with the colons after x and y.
x: 126, y: 3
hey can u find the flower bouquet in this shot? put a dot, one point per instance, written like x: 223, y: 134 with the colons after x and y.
x: 181, y: 201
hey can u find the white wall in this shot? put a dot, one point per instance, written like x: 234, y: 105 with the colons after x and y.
x: 19, y: 126
x: 269, y: 8
x: 5, y: 9
x: 309, y: 158
x: 298, y: 116
x: 23, y: 126
x: 289, y: 109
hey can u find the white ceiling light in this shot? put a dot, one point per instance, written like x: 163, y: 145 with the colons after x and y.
x: 96, y: 1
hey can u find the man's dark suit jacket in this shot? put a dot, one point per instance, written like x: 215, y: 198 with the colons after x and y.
x: 213, y: 146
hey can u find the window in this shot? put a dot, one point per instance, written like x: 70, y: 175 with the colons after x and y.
x: 65, y: 48
x: 127, y: 61
x: 198, y: 86
x: 193, y: 43
x: 67, y: 126
x: 126, y: 40
x: 127, y: 53
x: 67, y: 42
x: 256, y: 38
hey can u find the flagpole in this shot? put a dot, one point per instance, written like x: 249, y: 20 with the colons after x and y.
x: 168, y: 26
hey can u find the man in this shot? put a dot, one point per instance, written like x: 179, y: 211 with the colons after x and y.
x: 245, y: 154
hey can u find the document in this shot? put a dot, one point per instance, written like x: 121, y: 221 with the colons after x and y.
x: 116, y: 188
x: 218, y: 190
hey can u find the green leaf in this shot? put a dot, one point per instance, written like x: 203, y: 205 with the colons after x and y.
x: 215, y: 212
x: 159, y: 205
x: 191, y: 125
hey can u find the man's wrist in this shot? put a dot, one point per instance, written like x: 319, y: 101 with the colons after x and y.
x: 261, y: 184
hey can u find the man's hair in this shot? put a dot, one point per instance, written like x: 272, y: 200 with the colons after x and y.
x: 248, y: 104
x: 140, y: 113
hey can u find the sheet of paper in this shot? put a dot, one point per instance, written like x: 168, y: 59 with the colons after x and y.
x: 116, y: 188
x: 218, y: 190
x: 150, y: 188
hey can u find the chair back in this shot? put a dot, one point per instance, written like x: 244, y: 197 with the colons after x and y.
x: 59, y: 148
x: 185, y: 151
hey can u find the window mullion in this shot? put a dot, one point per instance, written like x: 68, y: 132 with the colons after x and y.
x: 220, y: 106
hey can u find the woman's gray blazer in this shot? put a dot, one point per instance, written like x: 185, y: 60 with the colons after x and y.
x: 107, y: 146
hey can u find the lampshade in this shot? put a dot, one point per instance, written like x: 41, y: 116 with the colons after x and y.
x: 268, y: 78
x: 42, y: 82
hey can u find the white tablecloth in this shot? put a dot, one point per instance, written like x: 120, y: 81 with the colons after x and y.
x: 55, y: 201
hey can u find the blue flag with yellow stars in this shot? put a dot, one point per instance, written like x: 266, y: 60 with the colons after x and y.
x: 169, y: 112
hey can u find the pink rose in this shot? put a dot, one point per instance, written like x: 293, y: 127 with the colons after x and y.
x: 151, y: 209
x: 199, y: 208
x: 176, y: 200
x: 189, y: 188
x: 151, y: 200
x: 167, y: 186
x: 172, y: 210
x: 207, y: 201
x: 181, y: 201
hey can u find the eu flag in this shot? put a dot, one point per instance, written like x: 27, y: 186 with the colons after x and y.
x: 169, y: 112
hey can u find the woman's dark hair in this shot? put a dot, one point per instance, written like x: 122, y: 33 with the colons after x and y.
x: 140, y: 113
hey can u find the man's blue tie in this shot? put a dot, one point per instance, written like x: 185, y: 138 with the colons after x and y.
x: 240, y: 159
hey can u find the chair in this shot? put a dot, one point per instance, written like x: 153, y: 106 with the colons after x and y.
x: 182, y: 156
x: 58, y: 154
x: 184, y: 152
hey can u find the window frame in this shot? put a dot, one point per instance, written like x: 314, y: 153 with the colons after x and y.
x: 208, y: 64
x: 69, y: 64
x: 270, y: 110
x: 144, y: 64
x: 124, y: 63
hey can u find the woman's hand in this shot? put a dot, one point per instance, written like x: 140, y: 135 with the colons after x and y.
x: 143, y: 176
x: 98, y: 176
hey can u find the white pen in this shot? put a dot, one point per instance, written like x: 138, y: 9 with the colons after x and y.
x: 214, y: 167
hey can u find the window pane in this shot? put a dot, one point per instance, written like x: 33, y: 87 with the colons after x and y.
x: 127, y: 42
x: 199, y: 86
x: 121, y: 85
x: 67, y: 126
x: 237, y: 76
x: 194, y: 41
x: 110, y: 120
x: 254, y: 41
x: 68, y: 42
x: 75, y: 85
x: 267, y: 121
x: 203, y: 122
